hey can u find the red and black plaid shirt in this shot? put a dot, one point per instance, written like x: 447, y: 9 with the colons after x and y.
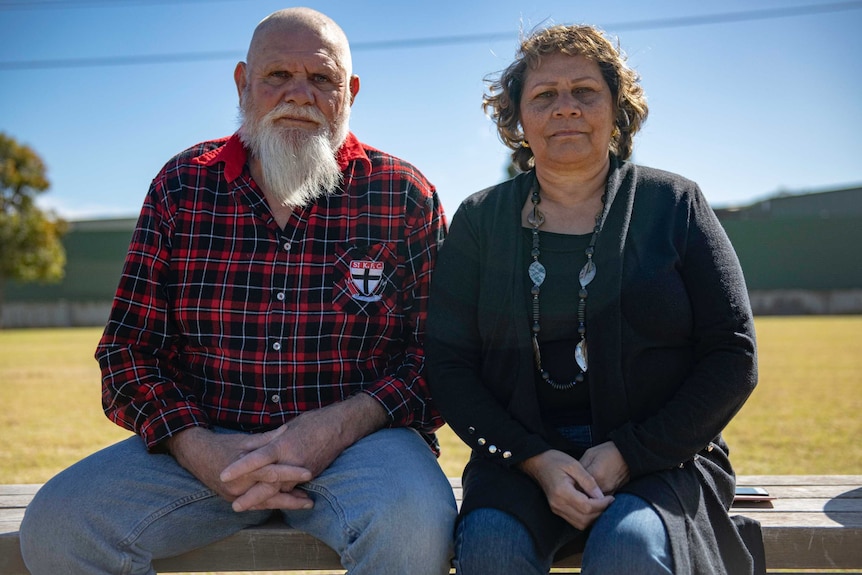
x: 222, y: 318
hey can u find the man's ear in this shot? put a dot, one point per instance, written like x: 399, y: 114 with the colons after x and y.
x: 354, y: 88
x: 239, y: 77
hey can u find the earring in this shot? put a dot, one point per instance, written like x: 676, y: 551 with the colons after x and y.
x: 525, y: 144
x: 616, y: 132
x: 626, y: 122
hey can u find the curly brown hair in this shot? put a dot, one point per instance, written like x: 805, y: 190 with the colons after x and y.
x: 503, y: 100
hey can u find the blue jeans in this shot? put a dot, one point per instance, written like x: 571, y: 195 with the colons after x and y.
x: 117, y: 510
x: 629, y: 537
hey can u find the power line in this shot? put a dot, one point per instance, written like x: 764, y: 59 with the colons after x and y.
x: 72, y: 4
x: 765, y: 14
x: 654, y: 24
x: 120, y: 60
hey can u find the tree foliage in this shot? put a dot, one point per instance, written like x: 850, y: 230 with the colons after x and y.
x: 30, y: 246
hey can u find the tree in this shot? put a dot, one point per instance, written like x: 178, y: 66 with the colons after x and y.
x: 30, y: 246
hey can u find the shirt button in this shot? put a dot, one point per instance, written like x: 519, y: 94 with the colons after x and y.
x: 276, y: 346
x: 276, y: 399
x: 286, y: 246
x: 280, y: 296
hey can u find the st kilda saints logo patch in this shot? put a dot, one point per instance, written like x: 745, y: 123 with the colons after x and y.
x: 366, y: 280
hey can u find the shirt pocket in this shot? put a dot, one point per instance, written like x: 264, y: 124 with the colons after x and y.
x: 366, y: 280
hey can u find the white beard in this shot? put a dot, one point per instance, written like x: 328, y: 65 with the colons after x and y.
x: 298, y: 166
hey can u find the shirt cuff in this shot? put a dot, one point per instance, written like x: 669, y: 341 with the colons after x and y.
x: 169, y: 421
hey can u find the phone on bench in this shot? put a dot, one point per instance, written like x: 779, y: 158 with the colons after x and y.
x: 746, y: 493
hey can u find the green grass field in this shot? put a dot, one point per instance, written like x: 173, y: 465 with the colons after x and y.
x: 804, y: 417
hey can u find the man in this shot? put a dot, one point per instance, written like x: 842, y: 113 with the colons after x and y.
x: 265, y: 343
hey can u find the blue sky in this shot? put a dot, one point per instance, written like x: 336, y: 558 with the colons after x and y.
x: 746, y: 106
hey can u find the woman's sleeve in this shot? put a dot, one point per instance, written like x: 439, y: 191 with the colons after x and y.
x: 454, y: 350
x: 724, y: 371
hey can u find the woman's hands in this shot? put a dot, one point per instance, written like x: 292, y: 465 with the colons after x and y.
x: 607, y: 466
x: 572, y: 492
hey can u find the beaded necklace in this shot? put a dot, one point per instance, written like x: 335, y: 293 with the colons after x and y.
x: 537, y: 274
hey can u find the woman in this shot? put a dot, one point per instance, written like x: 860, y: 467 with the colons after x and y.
x: 589, y: 336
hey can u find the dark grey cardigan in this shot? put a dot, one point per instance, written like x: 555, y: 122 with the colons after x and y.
x: 671, y: 348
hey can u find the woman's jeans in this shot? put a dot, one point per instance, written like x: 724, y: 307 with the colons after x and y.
x: 384, y: 506
x: 629, y: 537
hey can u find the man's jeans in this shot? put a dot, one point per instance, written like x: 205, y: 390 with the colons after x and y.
x: 384, y: 505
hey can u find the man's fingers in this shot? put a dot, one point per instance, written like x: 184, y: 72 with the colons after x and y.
x: 257, y: 494
x: 249, y: 463
x: 270, y: 496
x: 268, y: 482
x: 281, y: 474
x: 261, y: 468
x: 296, y: 499
x: 257, y: 440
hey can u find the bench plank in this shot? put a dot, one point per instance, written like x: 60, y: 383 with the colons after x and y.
x: 814, y: 522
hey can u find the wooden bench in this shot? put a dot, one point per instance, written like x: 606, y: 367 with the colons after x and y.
x: 813, y: 522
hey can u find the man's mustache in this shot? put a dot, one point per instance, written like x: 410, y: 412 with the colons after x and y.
x: 287, y: 110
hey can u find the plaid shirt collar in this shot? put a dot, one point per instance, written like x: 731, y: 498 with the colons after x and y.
x: 234, y: 155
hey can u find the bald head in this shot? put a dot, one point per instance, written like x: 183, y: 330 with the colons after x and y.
x: 303, y: 22
x: 295, y: 93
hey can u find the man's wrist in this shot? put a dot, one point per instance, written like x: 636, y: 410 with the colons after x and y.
x: 352, y: 419
x: 178, y: 442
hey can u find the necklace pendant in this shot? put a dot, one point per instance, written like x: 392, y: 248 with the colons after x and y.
x: 588, y: 272
x: 581, y: 355
x: 536, y: 218
x: 537, y: 273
